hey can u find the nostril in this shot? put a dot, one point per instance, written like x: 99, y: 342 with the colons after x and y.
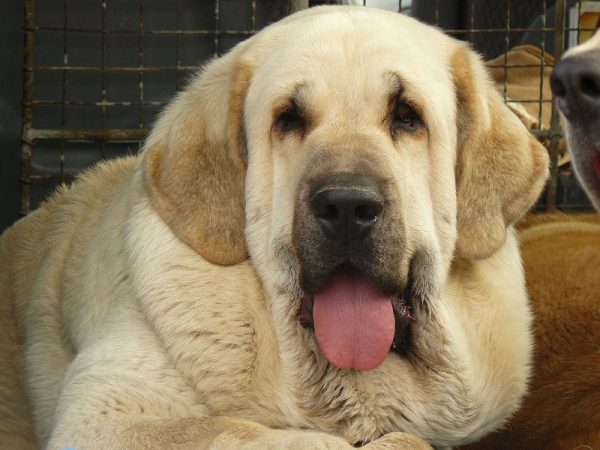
x: 575, y: 81
x: 590, y: 85
x: 327, y: 212
x: 368, y: 212
x: 347, y: 210
x: 557, y: 87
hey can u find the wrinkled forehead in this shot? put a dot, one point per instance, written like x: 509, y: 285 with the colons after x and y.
x: 373, y: 51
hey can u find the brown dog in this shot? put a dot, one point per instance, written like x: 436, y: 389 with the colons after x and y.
x: 314, y: 250
x: 561, y: 257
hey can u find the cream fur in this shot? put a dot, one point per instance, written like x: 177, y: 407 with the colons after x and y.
x: 133, y: 325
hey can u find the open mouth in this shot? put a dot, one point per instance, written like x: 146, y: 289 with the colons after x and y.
x: 356, y: 325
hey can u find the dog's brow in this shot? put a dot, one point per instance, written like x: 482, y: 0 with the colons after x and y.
x: 299, y: 97
x: 399, y: 89
x: 296, y: 99
x: 396, y: 83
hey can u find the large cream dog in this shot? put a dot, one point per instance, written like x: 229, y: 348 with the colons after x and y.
x: 314, y: 250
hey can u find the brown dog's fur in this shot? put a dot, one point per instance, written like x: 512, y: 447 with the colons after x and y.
x: 561, y: 256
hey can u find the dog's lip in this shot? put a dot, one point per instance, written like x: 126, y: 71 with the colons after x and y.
x: 305, y: 315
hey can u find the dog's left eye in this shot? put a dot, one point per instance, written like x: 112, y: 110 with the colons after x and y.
x: 290, y: 120
x: 404, y: 115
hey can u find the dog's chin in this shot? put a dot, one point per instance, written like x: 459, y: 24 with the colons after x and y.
x: 356, y: 320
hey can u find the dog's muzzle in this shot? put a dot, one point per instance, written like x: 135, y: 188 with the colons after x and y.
x: 576, y: 83
x: 350, y: 244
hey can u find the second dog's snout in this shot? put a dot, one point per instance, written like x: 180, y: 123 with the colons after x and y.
x: 347, y: 210
x: 576, y: 79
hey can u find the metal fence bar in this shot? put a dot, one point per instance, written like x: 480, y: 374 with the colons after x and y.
x: 559, y: 44
x: 64, y: 134
x: 145, y: 31
x: 103, y: 80
x: 542, y: 65
x: 141, y: 66
x: 26, y: 119
x: 178, y: 43
x: 65, y: 82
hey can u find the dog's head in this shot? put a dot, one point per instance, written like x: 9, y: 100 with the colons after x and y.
x: 352, y: 154
x: 576, y: 83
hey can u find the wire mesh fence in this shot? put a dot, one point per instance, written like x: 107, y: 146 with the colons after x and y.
x: 97, y: 73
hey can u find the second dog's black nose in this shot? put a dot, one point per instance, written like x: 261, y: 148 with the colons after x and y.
x: 348, y: 209
x: 576, y: 82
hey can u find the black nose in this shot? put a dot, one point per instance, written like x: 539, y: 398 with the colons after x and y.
x: 576, y: 82
x: 347, y: 209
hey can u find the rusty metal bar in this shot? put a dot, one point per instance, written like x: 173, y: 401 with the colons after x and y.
x: 141, y: 64
x: 178, y: 44
x: 250, y: 32
x: 110, y: 31
x: 103, y: 87
x: 27, y: 117
x: 65, y: 73
x: 102, y: 104
x: 547, y: 134
x: 129, y: 135
x: 164, y: 68
x: 559, y: 44
x: 542, y: 65
x: 506, y: 49
x: 513, y: 30
x: 472, y: 19
x: 217, y: 32
x: 115, y: 69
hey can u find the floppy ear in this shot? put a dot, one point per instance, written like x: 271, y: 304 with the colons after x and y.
x: 501, y: 168
x: 195, y: 161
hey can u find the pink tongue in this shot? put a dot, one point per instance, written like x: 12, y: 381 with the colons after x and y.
x: 354, y: 321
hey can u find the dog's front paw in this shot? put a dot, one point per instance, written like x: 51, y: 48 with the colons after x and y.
x: 297, y: 440
x: 398, y: 441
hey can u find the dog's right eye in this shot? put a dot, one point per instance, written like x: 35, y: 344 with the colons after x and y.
x: 289, y: 121
x: 405, y: 117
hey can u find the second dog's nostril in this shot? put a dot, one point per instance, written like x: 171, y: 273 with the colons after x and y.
x: 558, y: 88
x: 590, y: 85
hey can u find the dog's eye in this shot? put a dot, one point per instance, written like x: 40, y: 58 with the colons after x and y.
x: 289, y: 120
x: 404, y: 116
